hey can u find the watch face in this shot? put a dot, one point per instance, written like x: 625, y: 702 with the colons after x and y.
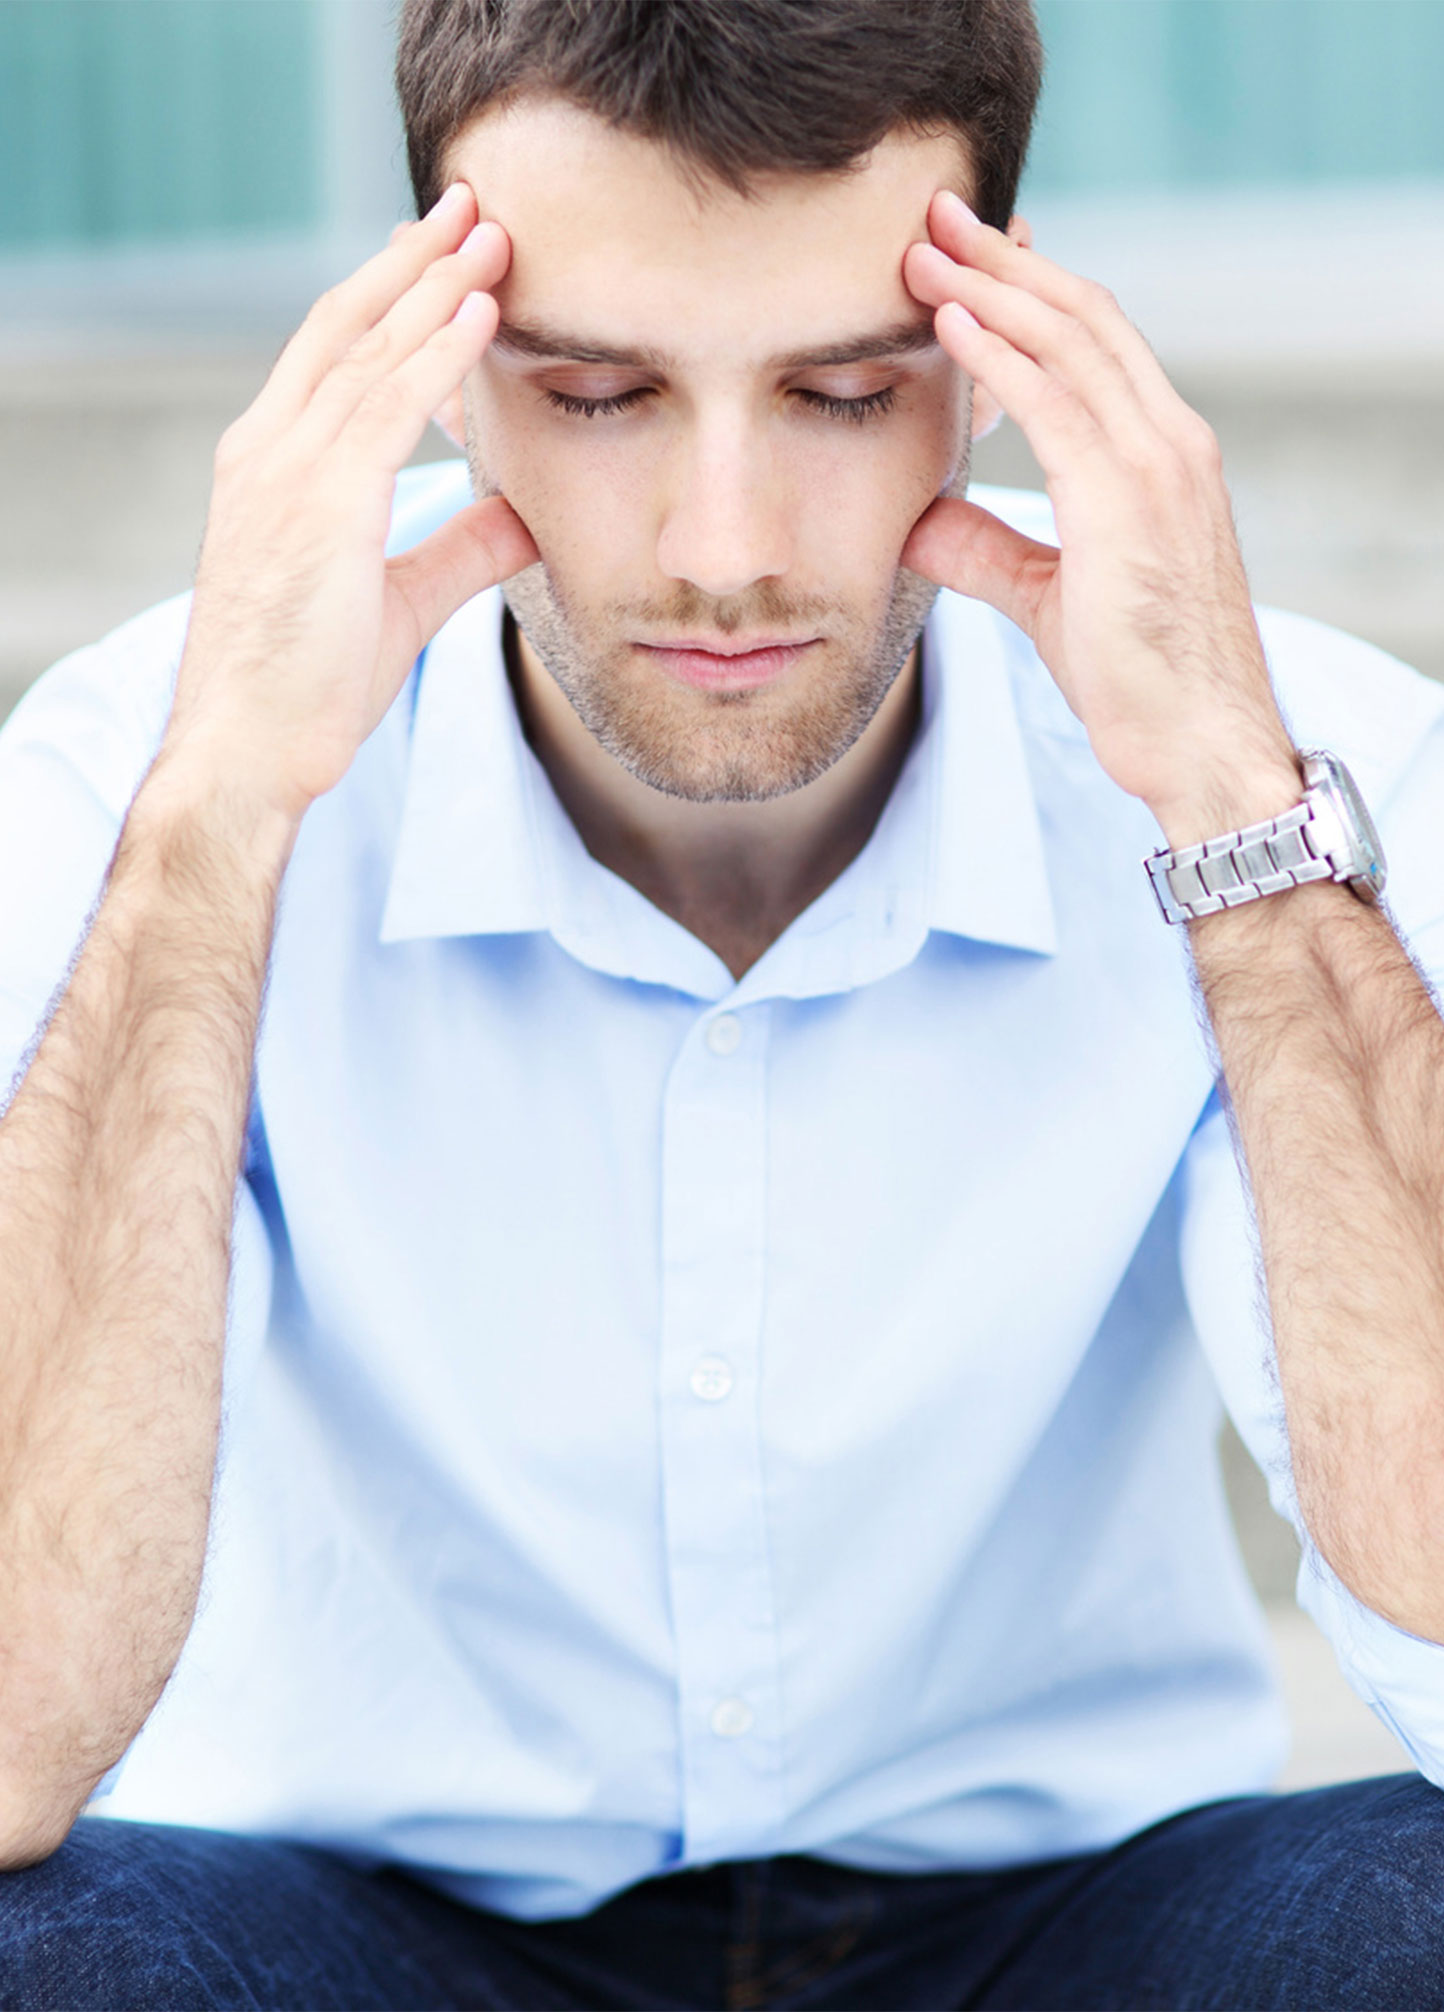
x: 1364, y: 839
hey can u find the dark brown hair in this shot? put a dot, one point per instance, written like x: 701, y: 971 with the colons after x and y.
x: 737, y: 88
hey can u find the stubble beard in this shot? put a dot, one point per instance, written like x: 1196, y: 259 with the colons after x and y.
x: 718, y: 747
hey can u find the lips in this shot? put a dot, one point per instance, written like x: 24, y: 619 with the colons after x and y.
x: 724, y: 665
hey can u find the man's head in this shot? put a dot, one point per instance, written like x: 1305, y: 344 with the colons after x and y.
x: 712, y: 399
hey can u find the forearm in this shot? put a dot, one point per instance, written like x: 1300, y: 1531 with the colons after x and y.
x: 1332, y: 1054
x: 119, y: 1155
x: 118, y: 1162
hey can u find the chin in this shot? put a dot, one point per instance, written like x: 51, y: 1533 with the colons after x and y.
x: 712, y: 774
x: 735, y: 747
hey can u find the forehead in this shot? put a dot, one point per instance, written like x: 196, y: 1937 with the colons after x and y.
x: 611, y: 236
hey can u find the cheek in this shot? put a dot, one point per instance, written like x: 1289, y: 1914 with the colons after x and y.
x: 934, y: 443
x: 860, y: 491
x: 583, y: 499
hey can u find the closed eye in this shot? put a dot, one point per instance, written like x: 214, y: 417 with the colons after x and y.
x: 598, y: 408
x: 871, y: 406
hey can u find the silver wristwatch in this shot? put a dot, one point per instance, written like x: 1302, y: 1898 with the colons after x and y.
x: 1329, y: 836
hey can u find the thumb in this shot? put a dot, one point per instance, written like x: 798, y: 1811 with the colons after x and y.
x: 964, y: 547
x: 482, y: 544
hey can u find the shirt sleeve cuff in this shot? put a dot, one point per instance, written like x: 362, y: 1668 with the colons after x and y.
x: 1398, y: 1675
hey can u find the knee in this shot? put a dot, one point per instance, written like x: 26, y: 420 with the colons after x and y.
x: 88, y: 1925
x: 1400, y: 1850
x: 1376, y: 1924
x: 1395, y: 1840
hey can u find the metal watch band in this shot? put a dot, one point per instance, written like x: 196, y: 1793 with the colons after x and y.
x: 1243, y: 865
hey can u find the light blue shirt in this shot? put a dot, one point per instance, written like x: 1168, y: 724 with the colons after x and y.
x: 670, y: 1419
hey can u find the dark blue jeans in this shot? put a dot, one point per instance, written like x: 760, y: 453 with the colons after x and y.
x: 1334, y: 1898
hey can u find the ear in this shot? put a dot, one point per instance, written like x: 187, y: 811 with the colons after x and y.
x: 987, y: 413
x: 450, y: 416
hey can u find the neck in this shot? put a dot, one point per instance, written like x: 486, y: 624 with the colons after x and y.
x: 734, y: 874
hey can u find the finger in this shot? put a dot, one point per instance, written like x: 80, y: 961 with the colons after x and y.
x: 1058, y: 426
x: 348, y: 310
x: 478, y: 547
x: 1062, y: 345
x: 477, y: 265
x: 969, y: 241
x: 394, y: 412
x: 963, y: 547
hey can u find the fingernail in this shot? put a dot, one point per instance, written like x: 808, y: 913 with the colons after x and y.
x: 479, y: 236
x: 472, y: 308
x: 446, y: 199
x: 959, y: 314
x: 955, y: 204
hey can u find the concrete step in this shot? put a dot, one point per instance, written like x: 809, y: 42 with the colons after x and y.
x: 1338, y: 489
x: 109, y: 473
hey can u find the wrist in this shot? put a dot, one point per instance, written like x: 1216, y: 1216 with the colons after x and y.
x: 1230, y: 799
x: 196, y: 787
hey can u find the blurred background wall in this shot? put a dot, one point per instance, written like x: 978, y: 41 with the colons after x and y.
x: 1260, y: 181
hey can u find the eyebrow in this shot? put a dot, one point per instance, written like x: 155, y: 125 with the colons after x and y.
x: 541, y: 340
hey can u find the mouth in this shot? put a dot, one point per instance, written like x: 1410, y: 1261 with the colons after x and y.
x: 725, y: 665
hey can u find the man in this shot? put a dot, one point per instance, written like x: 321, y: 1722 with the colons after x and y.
x: 699, y: 1425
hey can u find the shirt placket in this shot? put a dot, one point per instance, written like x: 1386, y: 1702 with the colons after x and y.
x: 714, y: 1159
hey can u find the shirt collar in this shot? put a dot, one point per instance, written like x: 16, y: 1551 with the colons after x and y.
x: 990, y: 871
x: 485, y: 847
x: 469, y: 859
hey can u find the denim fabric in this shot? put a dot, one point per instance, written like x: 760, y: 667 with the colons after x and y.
x: 1334, y: 1898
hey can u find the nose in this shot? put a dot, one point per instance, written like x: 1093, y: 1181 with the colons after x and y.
x: 726, y: 525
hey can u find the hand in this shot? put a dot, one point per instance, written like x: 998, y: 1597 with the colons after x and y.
x: 1143, y: 617
x: 302, y: 632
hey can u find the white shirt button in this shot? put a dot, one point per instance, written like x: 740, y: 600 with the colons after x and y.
x: 731, y: 1719
x: 711, y: 1380
x: 724, y: 1034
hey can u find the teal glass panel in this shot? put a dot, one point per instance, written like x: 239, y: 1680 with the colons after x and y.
x: 1150, y: 94
x: 145, y: 120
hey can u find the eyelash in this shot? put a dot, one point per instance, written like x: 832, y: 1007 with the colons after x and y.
x: 858, y: 410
